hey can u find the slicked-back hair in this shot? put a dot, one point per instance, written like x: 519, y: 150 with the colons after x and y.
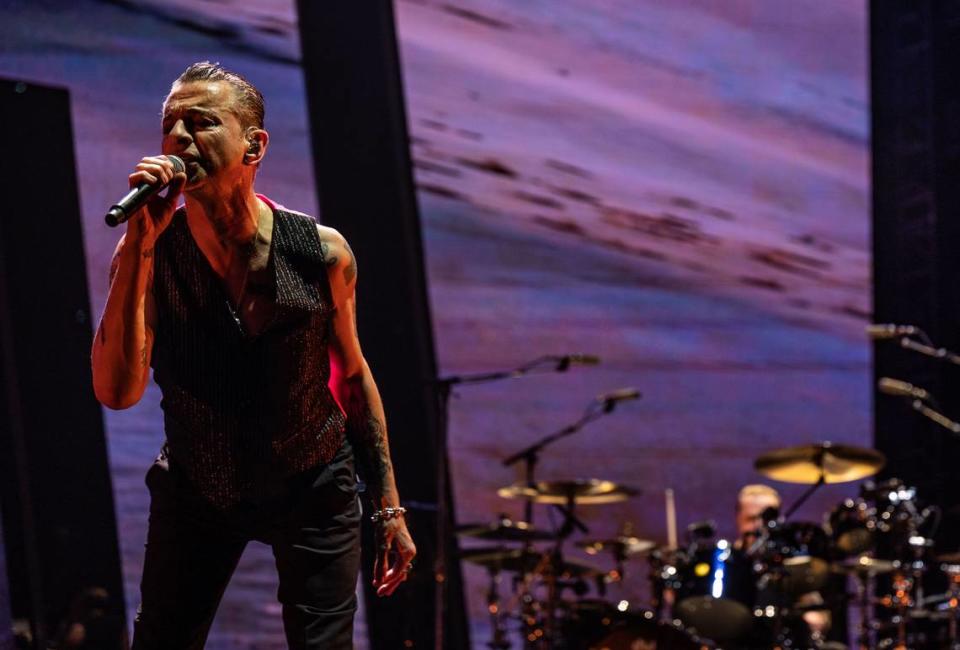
x: 250, y: 110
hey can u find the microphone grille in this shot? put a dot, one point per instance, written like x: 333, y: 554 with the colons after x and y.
x: 178, y: 165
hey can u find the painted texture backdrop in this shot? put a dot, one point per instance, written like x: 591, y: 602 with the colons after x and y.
x: 680, y: 188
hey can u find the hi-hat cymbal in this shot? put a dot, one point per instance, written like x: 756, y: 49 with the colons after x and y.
x: 809, y: 464
x: 621, y: 546
x: 864, y: 566
x: 581, y: 491
x: 505, y: 530
x: 527, y: 561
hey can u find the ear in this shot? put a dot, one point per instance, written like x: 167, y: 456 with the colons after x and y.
x: 257, y: 141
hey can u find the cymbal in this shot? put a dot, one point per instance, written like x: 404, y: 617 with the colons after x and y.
x: 520, y: 561
x: 621, y: 546
x: 808, y: 463
x: 591, y: 491
x: 864, y: 565
x: 505, y: 530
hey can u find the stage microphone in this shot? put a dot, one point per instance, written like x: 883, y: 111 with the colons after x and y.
x: 609, y: 400
x: 138, y: 197
x: 567, y: 360
x: 881, y: 331
x: 900, y: 388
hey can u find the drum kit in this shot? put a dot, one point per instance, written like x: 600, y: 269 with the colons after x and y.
x: 870, y: 560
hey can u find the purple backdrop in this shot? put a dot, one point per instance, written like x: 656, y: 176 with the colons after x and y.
x: 679, y: 188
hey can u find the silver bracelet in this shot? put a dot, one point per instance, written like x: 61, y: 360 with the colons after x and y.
x: 387, y: 513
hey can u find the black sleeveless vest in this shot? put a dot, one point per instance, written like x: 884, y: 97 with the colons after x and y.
x: 242, y: 413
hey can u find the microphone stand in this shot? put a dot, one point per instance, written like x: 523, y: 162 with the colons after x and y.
x: 444, y: 391
x: 530, y: 455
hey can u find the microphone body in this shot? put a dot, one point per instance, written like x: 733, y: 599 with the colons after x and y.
x: 900, y: 388
x: 137, y: 197
x: 567, y: 360
x: 881, y: 331
x: 619, y: 395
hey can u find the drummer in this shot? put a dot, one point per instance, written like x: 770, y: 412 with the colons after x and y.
x: 752, y: 501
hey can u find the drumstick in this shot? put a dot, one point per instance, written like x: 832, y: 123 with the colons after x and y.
x: 671, y: 519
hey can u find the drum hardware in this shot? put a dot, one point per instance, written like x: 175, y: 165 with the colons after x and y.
x: 505, y: 529
x: 950, y: 565
x: 564, y: 495
x: 580, y: 491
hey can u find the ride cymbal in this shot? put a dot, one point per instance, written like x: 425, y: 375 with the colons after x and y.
x: 821, y: 462
x: 590, y: 491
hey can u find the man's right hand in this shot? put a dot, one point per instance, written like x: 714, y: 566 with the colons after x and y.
x: 155, y: 216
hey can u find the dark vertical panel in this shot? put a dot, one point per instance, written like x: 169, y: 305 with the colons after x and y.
x: 6, y: 625
x: 915, y: 97
x: 57, y: 500
x: 362, y: 163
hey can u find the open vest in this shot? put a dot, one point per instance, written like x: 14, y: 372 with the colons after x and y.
x: 242, y: 413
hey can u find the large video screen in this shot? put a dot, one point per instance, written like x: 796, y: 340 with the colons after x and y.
x: 679, y: 189
x: 682, y: 190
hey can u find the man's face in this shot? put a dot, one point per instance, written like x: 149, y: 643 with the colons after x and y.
x: 751, y: 507
x: 200, y: 124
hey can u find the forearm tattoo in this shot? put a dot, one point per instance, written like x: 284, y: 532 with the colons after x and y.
x: 368, y: 434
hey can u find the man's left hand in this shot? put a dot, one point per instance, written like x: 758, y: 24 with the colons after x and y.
x: 393, y: 543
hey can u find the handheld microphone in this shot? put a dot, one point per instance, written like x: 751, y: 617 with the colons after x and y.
x: 900, y: 388
x: 881, y: 331
x: 138, y: 197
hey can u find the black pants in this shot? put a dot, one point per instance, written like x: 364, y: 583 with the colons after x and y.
x: 313, y: 526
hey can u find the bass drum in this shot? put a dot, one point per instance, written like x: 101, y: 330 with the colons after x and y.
x: 715, y: 593
x: 641, y: 631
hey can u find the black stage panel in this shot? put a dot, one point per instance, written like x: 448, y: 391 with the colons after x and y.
x: 915, y: 95
x: 57, y: 501
x: 362, y: 164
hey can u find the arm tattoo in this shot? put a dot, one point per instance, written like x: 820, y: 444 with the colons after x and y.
x: 148, y: 253
x: 368, y: 434
x: 328, y: 259
x: 351, y: 271
x: 143, y: 356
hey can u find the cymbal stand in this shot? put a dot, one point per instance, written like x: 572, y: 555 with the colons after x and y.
x: 953, y: 573
x: 813, y: 488
x: 499, y: 640
x: 444, y: 391
x: 865, y: 632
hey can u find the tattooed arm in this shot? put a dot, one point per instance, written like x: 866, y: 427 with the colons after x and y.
x: 355, y: 390
x: 124, y: 338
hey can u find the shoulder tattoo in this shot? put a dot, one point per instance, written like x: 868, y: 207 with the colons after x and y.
x: 328, y: 257
x: 350, y: 273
